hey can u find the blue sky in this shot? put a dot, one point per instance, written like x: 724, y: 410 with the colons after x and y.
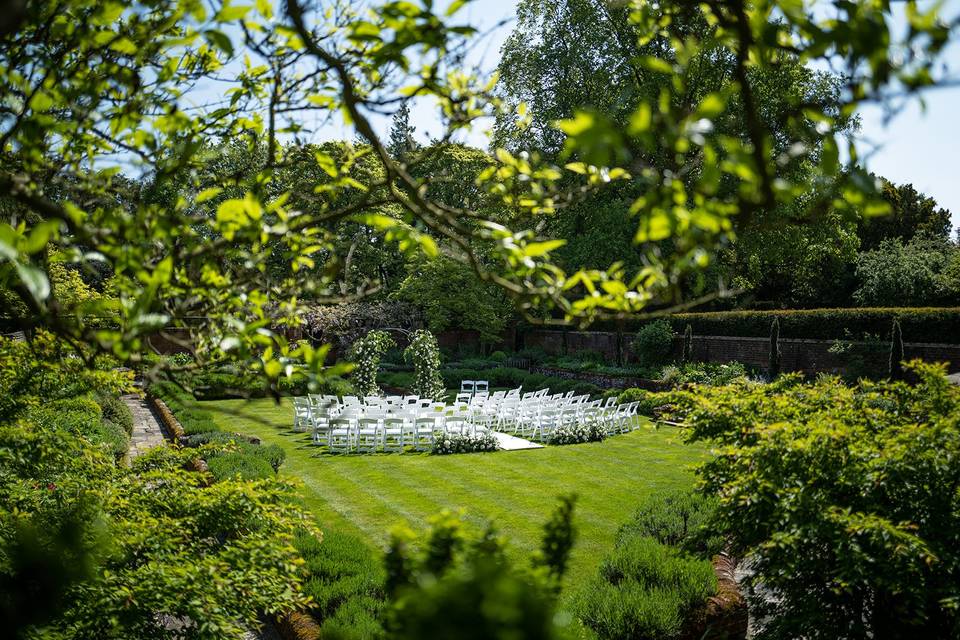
x: 918, y: 146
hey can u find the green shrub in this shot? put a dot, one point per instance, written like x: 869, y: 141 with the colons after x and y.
x: 499, y: 357
x: 273, y: 454
x: 653, y: 343
x: 346, y: 581
x: 845, y: 498
x: 115, y: 410
x: 110, y: 434
x: 646, y: 590
x: 82, y: 416
x: 677, y: 519
x: 248, y: 467
x: 649, y: 401
x: 709, y: 373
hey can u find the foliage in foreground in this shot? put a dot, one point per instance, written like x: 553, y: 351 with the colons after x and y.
x: 454, y: 582
x: 140, y: 547
x: 843, y: 498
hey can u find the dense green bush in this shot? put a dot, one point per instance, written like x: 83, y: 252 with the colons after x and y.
x: 272, y: 454
x: 645, y: 590
x: 703, y: 373
x: 649, y: 401
x: 845, y: 499
x: 653, y: 343
x: 345, y: 579
x: 83, y: 416
x: 116, y: 411
x: 920, y: 324
x: 232, y: 464
x: 677, y: 519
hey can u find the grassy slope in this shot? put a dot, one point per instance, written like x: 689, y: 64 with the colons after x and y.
x: 366, y: 495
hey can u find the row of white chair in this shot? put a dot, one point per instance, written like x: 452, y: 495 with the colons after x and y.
x: 392, y: 423
x: 379, y: 424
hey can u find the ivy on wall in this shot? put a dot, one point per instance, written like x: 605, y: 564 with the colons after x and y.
x: 424, y: 354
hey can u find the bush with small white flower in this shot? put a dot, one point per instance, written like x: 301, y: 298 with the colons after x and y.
x: 464, y: 443
x: 577, y: 433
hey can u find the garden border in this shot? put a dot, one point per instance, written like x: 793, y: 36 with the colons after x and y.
x: 295, y: 625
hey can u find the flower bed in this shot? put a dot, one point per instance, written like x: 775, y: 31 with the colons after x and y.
x: 576, y: 434
x: 464, y: 443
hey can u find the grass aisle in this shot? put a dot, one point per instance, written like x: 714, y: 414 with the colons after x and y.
x: 366, y: 495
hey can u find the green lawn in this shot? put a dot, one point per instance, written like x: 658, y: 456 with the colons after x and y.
x: 366, y: 495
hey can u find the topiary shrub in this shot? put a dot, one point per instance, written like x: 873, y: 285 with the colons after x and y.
x: 233, y: 464
x: 498, y: 356
x: 773, y: 368
x: 653, y: 343
x: 896, y: 352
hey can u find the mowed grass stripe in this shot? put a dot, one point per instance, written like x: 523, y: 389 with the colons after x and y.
x: 517, y: 490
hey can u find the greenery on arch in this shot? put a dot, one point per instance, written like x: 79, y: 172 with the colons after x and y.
x: 366, y: 354
x: 424, y: 353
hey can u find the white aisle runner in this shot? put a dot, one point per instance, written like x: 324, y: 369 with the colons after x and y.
x: 513, y: 443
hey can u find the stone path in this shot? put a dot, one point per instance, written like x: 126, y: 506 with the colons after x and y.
x: 513, y: 443
x: 147, y: 432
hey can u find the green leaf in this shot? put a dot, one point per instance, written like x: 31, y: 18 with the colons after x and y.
x: 35, y: 281
x: 229, y: 14
x: 208, y: 194
x: 220, y: 40
x: 535, y: 249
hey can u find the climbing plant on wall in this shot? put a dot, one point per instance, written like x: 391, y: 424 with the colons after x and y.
x: 366, y: 353
x: 424, y: 354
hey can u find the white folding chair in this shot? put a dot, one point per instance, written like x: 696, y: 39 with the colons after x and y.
x: 369, y: 434
x: 466, y: 386
x: 302, y: 420
x: 481, y: 385
x: 424, y: 429
x: 394, y: 431
x: 340, y: 438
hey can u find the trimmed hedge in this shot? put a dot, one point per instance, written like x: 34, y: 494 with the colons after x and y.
x: 924, y: 324
x: 656, y: 583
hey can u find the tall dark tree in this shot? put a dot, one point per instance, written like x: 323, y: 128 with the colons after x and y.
x: 401, y: 141
x: 912, y: 214
x: 569, y: 55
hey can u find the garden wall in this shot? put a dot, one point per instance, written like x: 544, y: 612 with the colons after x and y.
x: 811, y: 356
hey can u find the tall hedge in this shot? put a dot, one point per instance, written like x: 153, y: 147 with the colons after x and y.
x: 918, y: 324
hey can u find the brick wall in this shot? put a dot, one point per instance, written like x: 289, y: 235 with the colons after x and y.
x: 811, y: 356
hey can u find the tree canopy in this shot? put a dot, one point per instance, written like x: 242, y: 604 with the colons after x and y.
x: 724, y: 122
